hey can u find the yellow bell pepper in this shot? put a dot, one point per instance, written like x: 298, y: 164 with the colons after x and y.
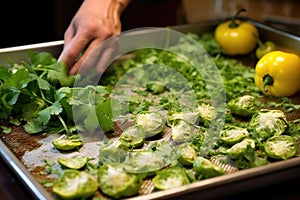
x: 236, y: 37
x: 277, y: 73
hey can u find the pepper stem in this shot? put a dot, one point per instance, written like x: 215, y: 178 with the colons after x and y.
x: 267, y: 80
x: 260, y: 43
x: 233, y: 23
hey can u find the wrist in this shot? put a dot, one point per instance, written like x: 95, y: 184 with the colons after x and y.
x: 122, y: 5
x: 115, y: 8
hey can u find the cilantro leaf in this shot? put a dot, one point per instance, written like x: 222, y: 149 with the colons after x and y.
x: 43, y: 84
x: 33, y: 126
x: 91, y: 122
x: 104, y: 114
x: 57, y: 73
x: 41, y: 58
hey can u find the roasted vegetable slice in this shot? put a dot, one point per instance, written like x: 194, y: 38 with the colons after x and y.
x: 206, y: 113
x: 242, y: 106
x: 183, y: 131
x: 281, y: 147
x: 170, y: 177
x: 67, y: 143
x: 133, y: 136
x: 190, y: 117
x: 143, y: 162
x: 268, y: 123
x: 117, y: 183
x: 206, y: 169
x: 74, y: 184
x: 233, y: 134
x: 240, y: 148
x: 152, y: 122
x: 73, y: 162
x: 113, y: 151
x: 186, y: 153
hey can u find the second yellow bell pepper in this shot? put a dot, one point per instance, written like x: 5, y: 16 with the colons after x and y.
x: 277, y: 73
x: 236, y: 37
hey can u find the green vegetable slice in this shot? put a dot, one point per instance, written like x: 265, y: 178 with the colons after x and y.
x: 152, y: 122
x: 206, y: 169
x: 233, y: 134
x: 281, y: 147
x: 242, y: 106
x: 73, y: 162
x: 186, y: 153
x: 67, y: 143
x: 183, y: 131
x: 170, y: 177
x: 190, y: 117
x: 143, y: 162
x: 268, y: 123
x: 206, y: 113
x: 113, y: 151
x: 74, y: 184
x: 239, y: 148
x: 133, y: 136
x: 117, y: 183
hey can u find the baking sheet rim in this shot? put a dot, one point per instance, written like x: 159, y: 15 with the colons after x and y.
x: 220, y: 180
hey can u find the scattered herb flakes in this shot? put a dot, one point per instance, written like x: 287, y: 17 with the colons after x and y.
x: 5, y: 129
x: 285, y: 103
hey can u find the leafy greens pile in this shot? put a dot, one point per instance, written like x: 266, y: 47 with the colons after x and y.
x: 39, y: 95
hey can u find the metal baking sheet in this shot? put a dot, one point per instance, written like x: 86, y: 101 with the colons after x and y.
x: 37, y: 146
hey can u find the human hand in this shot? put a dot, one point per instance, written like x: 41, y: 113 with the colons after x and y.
x: 94, y: 22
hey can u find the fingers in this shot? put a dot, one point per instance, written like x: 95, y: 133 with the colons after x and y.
x: 93, y: 38
x: 72, y: 50
x: 94, y: 22
x: 98, y: 56
x: 88, y: 34
x: 77, y: 65
x: 68, y: 36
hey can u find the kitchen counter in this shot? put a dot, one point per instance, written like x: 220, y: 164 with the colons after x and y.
x: 10, y: 186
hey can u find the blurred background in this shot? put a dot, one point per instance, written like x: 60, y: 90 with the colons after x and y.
x: 29, y: 22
